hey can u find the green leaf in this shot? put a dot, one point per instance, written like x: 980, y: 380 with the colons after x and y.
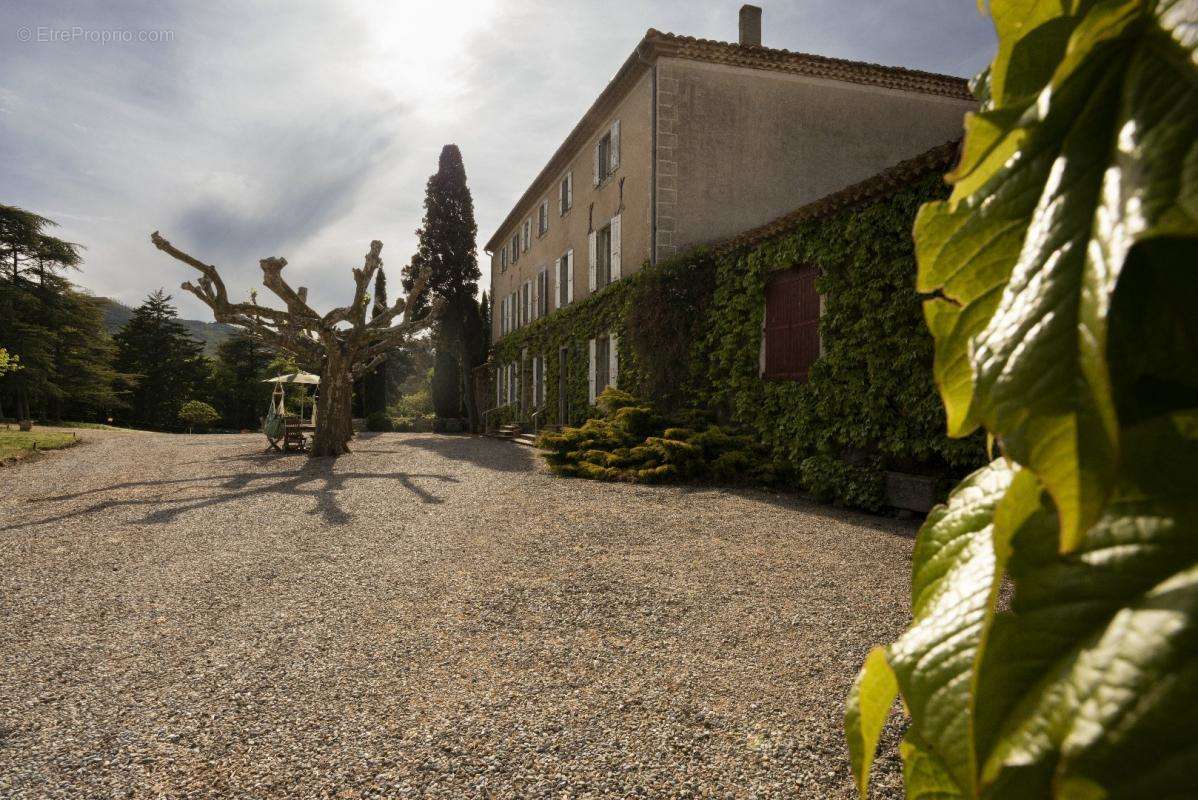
x: 1086, y: 149
x: 955, y: 577
x: 869, y: 704
x: 924, y: 775
x: 1090, y: 680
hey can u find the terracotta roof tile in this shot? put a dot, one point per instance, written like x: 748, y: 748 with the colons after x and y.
x: 674, y: 45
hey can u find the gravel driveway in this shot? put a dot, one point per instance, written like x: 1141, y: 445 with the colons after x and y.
x: 431, y: 616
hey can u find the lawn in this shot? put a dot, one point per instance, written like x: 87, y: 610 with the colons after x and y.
x: 16, y: 444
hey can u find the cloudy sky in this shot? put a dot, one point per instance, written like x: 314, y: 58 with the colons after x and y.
x: 307, y: 129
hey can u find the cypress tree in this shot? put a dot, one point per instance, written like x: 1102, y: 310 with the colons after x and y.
x: 446, y: 247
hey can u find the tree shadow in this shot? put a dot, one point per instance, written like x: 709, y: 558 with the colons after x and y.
x: 315, y: 479
x: 478, y: 450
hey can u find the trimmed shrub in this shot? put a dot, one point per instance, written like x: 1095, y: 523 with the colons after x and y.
x: 632, y: 442
x: 379, y: 422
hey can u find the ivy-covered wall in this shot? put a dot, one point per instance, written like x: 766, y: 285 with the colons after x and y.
x: 690, y: 337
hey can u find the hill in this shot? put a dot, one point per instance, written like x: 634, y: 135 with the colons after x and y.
x: 116, y: 314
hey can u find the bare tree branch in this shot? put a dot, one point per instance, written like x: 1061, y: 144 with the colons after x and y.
x: 345, y: 352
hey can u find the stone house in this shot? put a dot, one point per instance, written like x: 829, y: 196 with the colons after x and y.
x: 692, y: 142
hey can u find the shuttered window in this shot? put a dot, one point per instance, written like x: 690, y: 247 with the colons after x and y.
x: 565, y: 199
x: 791, y: 324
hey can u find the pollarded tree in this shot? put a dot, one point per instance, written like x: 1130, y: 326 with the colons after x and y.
x: 343, y: 342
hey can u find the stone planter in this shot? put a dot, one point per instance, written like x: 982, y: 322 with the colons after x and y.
x: 912, y: 492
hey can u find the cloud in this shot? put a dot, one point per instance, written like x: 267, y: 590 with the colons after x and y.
x: 305, y: 129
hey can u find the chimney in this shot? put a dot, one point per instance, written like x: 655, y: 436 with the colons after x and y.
x: 750, y: 25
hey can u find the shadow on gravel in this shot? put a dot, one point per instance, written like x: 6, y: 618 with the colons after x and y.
x: 795, y: 503
x: 477, y: 450
x: 314, y: 479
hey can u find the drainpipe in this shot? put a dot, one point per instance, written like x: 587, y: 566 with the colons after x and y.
x: 652, y: 151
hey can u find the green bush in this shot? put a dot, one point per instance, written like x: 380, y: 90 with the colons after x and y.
x: 413, y: 423
x: 413, y: 404
x: 198, y: 413
x: 833, y: 480
x: 379, y: 422
x: 632, y: 442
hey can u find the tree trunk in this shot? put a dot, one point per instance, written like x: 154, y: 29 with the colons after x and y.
x: 334, y: 407
x: 469, y: 397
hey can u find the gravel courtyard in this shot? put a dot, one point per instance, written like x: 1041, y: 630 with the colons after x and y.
x: 431, y: 616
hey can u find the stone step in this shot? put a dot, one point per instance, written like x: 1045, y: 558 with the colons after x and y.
x: 526, y: 439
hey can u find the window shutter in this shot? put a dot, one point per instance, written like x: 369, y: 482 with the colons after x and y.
x: 592, y: 252
x: 791, y: 336
x: 536, y: 297
x: 615, y: 144
x: 591, y: 373
x: 570, y: 275
x: 596, y: 163
x: 615, y: 247
x: 569, y: 190
x: 555, y: 281
x: 613, y: 359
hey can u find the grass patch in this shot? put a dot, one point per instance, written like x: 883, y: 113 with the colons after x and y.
x: 96, y: 426
x: 19, y: 444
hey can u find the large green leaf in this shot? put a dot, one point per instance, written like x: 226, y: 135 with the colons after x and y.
x: 869, y: 704
x: 954, y: 584
x: 1091, y: 678
x: 1073, y: 162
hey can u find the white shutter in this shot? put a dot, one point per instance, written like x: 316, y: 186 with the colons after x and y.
x: 613, y: 359
x: 596, y: 164
x: 615, y: 145
x: 591, y: 260
x: 569, y: 190
x: 570, y: 275
x: 555, y: 291
x: 536, y: 293
x: 591, y: 373
x: 615, y: 247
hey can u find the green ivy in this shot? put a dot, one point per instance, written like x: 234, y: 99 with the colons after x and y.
x: 690, y: 333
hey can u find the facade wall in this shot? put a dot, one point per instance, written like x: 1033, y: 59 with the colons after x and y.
x: 593, y: 207
x: 738, y: 147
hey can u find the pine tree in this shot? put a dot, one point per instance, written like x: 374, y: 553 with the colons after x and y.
x: 170, y: 365
x: 447, y: 250
x: 56, y: 331
x: 239, y: 392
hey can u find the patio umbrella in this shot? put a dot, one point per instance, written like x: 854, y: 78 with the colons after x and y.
x: 294, y: 377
